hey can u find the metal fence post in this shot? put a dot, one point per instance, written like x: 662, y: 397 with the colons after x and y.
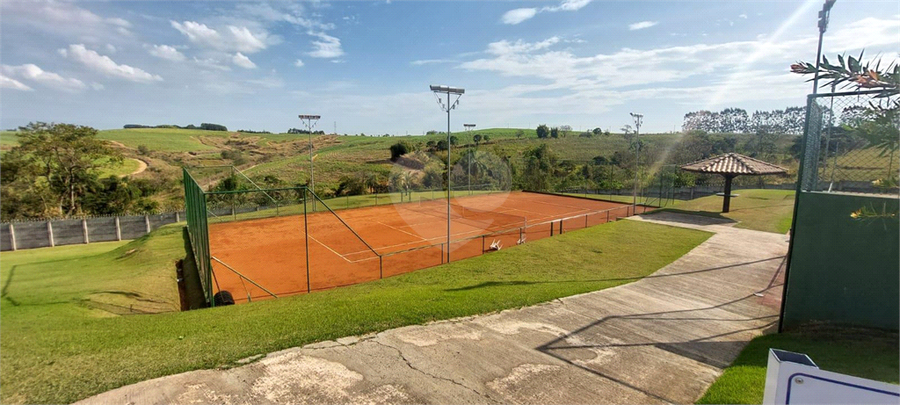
x: 118, y: 229
x: 50, y: 233
x: 177, y: 217
x: 306, y: 237
x: 84, y: 230
x: 147, y: 222
x: 12, y: 236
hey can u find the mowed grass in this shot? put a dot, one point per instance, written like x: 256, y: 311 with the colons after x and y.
x: 857, y: 352
x: 56, y: 350
x: 761, y: 210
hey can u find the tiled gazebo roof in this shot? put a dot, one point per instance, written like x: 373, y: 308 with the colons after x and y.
x: 735, y: 164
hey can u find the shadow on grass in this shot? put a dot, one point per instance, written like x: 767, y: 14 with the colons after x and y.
x: 713, y: 217
x: 489, y: 284
x: 190, y: 289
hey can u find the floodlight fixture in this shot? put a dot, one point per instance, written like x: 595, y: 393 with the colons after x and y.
x: 447, y: 89
x: 311, y: 121
x: 440, y: 90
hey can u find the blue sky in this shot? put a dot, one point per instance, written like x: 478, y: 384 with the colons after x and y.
x: 367, y: 65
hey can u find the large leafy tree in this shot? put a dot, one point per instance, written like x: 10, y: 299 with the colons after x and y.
x: 54, y: 165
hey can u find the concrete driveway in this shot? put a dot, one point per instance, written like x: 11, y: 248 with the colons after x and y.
x: 664, y: 338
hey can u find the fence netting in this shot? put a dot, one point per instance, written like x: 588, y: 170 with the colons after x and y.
x: 851, y: 143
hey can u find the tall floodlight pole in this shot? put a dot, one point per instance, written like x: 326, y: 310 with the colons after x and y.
x: 311, y: 121
x: 823, y: 25
x: 438, y: 92
x: 638, y: 120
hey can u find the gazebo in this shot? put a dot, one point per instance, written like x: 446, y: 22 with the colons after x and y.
x: 731, y: 165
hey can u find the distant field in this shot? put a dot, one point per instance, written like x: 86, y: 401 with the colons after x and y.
x: 164, y: 140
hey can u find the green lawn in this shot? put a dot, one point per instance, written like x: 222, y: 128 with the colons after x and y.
x: 57, y: 346
x: 761, y: 210
x: 861, y: 353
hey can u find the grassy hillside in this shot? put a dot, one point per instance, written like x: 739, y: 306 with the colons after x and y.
x: 65, y: 337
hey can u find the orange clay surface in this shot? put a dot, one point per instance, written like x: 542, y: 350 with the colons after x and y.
x: 406, y: 237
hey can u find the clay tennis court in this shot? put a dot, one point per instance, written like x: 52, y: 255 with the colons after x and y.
x: 392, y: 239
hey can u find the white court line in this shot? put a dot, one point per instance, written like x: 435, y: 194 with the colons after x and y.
x: 400, y: 230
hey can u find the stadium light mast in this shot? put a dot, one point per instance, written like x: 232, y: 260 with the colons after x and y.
x: 638, y: 120
x: 823, y: 25
x: 438, y: 92
x: 311, y: 121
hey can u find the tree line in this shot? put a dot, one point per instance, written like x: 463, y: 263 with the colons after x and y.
x: 737, y: 120
x: 204, y: 126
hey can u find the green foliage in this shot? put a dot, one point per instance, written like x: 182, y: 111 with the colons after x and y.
x: 399, y: 149
x: 543, y: 131
x: 540, y: 164
x: 212, y: 127
x: 554, y: 132
x: 852, y: 72
x: 520, y: 133
x: 52, y: 167
x: 235, y: 156
x: 143, y: 150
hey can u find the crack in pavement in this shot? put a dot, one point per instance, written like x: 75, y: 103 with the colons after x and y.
x: 450, y: 380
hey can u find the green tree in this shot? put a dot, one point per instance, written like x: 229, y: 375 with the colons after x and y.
x: 540, y: 164
x: 63, y: 158
x: 543, y: 131
x: 520, y: 133
x: 554, y: 132
x: 399, y: 149
x: 477, y: 138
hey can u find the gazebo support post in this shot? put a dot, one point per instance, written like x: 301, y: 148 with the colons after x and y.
x: 726, y: 205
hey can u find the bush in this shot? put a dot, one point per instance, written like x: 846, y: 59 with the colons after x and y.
x: 143, y: 150
x: 399, y: 149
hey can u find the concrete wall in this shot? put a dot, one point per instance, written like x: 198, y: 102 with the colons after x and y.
x: 59, y: 232
x: 844, y: 270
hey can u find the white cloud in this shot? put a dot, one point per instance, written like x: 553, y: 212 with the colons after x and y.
x: 570, y: 5
x: 744, y: 16
x: 211, y: 63
x: 505, y: 47
x: 105, y: 65
x: 641, y: 25
x: 518, y: 15
x: 64, y: 19
x: 232, y: 39
x: 298, y: 63
x: 242, y: 61
x: 326, y: 47
x: 167, y: 52
x: 111, y: 48
x: 422, y: 62
x: 8, y: 83
x: 33, y: 73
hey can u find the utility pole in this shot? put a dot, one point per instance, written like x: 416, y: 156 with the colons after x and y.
x: 311, y: 121
x: 438, y: 92
x: 823, y: 25
x: 638, y: 120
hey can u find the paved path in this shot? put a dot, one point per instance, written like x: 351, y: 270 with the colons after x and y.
x: 662, y: 339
